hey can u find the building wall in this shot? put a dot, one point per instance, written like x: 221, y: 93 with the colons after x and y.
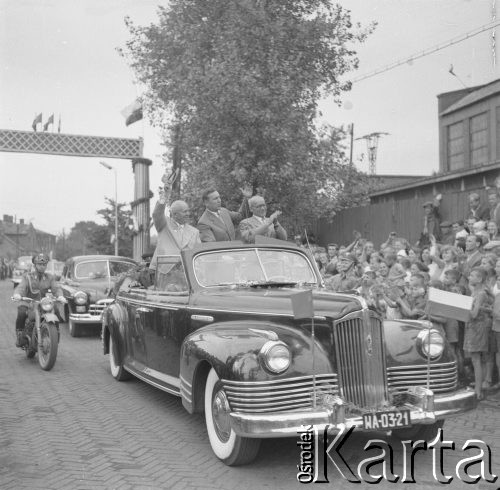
x: 491, y: 107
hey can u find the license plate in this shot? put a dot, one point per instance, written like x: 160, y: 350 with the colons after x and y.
x: 386, y: 420
x: 81, y: 309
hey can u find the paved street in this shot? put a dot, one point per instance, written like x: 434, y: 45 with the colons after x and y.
x: 75, y: 427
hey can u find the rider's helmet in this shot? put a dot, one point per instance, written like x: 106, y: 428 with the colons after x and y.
x: 40, y: 258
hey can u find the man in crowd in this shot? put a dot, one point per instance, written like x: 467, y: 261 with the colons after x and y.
x: 346, y: 279
x: 216, y: 224
x: 258, y: 224
x: 494, y: 206
x: 477, y: 209
x: 472, y: 253
x: 432, y: 218
x: 447, y: 233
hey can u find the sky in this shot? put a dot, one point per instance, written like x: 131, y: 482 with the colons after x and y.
x: 59, y: 56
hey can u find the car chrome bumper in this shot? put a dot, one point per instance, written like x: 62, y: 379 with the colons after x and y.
x: 85, y: 318
x: 425, y: 409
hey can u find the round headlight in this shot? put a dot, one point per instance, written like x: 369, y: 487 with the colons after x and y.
x: 80, y: 298
x: 46, y: 304
x: 275, y: 356
x: 431, y: 343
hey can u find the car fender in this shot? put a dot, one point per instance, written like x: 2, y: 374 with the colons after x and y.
x: 233, y: 348
x: 401, y: 342
x: 50, y: 318
x: 114, y: 324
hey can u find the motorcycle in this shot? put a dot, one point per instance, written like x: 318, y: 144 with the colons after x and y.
x: 41, y: 331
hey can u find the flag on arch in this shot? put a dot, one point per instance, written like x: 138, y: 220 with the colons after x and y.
x: 49, y: 121
x: 36, y: 121
x: 132, y: 113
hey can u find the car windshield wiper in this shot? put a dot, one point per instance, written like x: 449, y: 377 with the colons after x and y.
x: 272, y: 284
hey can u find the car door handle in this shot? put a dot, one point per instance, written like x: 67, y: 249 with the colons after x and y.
x: 144, y: 310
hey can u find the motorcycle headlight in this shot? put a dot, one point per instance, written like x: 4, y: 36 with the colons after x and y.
x: 80, y: 298
x: 47, y: 304
x: 275, y: 356
x: 430, y: 343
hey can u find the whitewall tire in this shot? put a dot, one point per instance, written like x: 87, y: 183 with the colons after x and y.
x: 232, y: 449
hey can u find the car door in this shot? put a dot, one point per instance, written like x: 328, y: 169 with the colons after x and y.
x: 133, y: 300
x: 166, y: 323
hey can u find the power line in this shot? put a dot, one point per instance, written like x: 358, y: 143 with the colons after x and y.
x: 428, y: 51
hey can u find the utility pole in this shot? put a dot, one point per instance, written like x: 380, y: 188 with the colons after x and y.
x: 372, y: 144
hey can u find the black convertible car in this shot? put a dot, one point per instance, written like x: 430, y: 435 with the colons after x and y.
x: 218, y: 330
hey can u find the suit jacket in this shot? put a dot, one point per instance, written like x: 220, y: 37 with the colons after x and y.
x: 247, y: 227
x: 172, y: 238
x: 214, y: 229
x: 481, y: 213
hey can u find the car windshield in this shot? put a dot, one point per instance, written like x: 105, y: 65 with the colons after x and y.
x: 252, y: 267
x: 98, y: 269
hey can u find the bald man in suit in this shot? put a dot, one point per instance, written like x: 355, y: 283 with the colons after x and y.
x: 258, y: 224
x: 174, y: 232
x: 216, y: 224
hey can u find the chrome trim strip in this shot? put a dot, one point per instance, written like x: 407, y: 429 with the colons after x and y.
x: 424, y: 366
x: 275, y: 381
x: 166, y: 378
x: 137, y: 374
x: 243, y: 312
x: 202, y: 318
x: 183, y: 381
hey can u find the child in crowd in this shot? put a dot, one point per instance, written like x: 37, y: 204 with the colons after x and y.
x: 477, y: 330
x: 413, y: 306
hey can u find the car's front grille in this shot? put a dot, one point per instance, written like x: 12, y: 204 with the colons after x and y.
x: 443, y: 377
x: 361, y: 361
x: 98, y: 308
x: 278, y: 395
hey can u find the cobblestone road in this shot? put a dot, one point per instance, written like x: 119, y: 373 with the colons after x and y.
x: 75, y: 427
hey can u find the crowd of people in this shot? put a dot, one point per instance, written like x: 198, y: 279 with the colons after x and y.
x: 395, y: 279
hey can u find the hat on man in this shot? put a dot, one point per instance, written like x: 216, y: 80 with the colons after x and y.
x: 445, y: 224
x: 428, y: 203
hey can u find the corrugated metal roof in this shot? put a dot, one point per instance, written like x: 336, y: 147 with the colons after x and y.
x: 483, y: 92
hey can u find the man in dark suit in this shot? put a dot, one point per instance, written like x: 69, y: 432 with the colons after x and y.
x: 478, y: 210
x: 258, y: 224
x: 216, y: 224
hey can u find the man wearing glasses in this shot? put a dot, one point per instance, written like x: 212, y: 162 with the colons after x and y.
x: 258, y: 224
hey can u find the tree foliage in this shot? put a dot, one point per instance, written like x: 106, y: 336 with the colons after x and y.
x: 88, y: 237
x: 241, y: 81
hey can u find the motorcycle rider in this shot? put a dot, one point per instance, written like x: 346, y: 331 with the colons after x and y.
x: 34, y: 285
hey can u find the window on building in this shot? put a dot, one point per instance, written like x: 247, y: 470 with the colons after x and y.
x: 479, y: 139
x: 456, y: 146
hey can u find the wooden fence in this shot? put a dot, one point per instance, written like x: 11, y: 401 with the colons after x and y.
x: 376, y: 221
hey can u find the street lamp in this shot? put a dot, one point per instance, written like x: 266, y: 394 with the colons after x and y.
x: 109, y: 167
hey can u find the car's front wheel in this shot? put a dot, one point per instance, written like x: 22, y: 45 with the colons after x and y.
x: 117, y: 370
x: 232, y: 449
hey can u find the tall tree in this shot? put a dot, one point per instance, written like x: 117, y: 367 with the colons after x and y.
x: 125, y: 231
x: 241, y: 81
x: 88, y: 237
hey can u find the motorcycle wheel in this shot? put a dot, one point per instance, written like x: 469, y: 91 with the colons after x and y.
x: 47, y: 346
